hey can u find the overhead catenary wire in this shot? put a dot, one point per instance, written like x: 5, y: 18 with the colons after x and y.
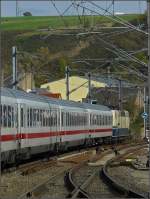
x: 122, y: 52
x: 59, y: 13
x: 111, y: 4
x: 120, y: 20
x: 67, y: 9
x: 115, y: 18
x: 79, y: 17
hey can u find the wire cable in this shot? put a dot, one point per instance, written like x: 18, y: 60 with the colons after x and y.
x: 59, y: 13
x: 120, y: 20
x: 116, y: 19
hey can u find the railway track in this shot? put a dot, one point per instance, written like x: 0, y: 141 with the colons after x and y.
x: 122, y: 175
x: 89, y: 181
x: 89, y: 184
x: 51, y: 188
x: 26, y: 180
x: 46, y: 179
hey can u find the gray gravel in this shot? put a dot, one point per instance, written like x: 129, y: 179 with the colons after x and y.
x: 14, y: 184
x: 132, y: 179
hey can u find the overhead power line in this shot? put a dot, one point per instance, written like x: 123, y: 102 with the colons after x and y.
x: 115, y: 18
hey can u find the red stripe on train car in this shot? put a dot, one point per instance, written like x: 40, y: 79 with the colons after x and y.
x: 5, y: 138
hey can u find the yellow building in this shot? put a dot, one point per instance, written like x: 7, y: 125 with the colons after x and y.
x: 78, y: 87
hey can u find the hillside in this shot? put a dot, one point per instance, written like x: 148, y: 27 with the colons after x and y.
x: 46, y: 52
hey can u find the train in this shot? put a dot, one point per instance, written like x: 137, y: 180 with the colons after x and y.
x: 33, y: 124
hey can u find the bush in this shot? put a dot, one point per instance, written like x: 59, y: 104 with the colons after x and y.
x: 26, y: 14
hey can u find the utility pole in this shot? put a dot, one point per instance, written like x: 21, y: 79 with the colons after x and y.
x: 108, y: 76
x: 145, y: 111
x: 67, y: 82
x: 89, y: 87
x: 14, y: 65
x: 113, y: 2
x: 120, y: 95
x: 148, y: 123
x: 148, y: 22
x: 16, y: 8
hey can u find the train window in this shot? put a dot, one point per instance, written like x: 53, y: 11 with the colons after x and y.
x: 46, y: 118
x: 40, y: 118
x: 43, y: 113
x: 66, y: 119
x: 31, y: 117
x: 22, y: 119
x: 53, y: 118
x: 79, y: 119
x: 68, y: 122
x: 122, y: 113
x: 37, y: 117
x: 28, y: 118
x: 69, y: 119
x: 34, y: 117
x: 72, y: 119
x: 1, y: 124
x: 50, y: 119
x: 12, y: 117
x: 5, y: 115
x: 102, y: 120
x: 63, y: 119
x: 58, y: 118
x: 110, y: 119
x: 48, y: 113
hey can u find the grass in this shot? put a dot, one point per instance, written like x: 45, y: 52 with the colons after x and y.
x: 37, y: 22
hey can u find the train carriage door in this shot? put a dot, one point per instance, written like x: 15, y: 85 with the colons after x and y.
x: 58, y: 126
x: 22, y: 125
x: 89, y: 126
x: 56, y: 115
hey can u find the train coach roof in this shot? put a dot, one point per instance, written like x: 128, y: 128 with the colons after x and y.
x: 33, y: 97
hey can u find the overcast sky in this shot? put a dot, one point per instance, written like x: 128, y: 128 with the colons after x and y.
x: 44, y: 8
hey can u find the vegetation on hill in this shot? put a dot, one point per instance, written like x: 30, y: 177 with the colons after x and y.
x: 49, y: 51
x: 45, y: 53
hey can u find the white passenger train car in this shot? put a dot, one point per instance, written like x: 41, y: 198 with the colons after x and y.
x: 32, y: 124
